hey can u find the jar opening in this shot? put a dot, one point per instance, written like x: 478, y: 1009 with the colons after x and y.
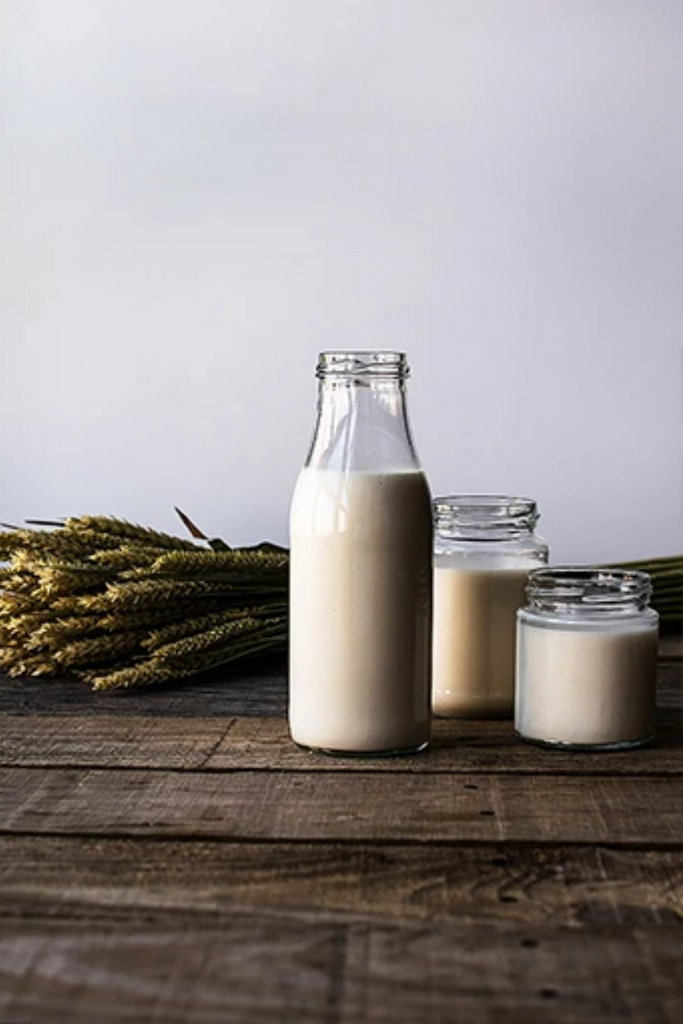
x: 588, y: 590
x: 367, y: 365
x: 484, y: 516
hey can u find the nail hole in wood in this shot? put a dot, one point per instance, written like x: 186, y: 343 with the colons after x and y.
x: 487, y: 814
x: 548, y: 993
x: 508, y: 899
x: 529, y: 943
x: 470, y: 785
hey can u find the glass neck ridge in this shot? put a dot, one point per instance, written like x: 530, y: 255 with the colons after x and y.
x: 362, y: 367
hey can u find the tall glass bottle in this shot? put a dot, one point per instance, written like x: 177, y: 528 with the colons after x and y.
x: 360, y: 572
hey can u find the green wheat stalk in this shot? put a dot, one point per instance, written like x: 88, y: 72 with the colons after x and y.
x: 667, y: 587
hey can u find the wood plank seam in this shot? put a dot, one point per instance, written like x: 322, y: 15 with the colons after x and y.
x: 379, y: 842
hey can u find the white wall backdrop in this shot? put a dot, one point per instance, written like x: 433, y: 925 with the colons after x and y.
x: 198, y: 195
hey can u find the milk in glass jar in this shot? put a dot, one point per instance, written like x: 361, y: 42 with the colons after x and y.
x: 587, y: 659
x: 484, y: 547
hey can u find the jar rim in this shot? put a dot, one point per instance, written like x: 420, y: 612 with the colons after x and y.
x: 359, y: 363
x: 483, y: 513
x: 470, y: 504
x: 588, y: 588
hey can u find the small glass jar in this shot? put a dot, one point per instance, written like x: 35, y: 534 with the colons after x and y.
x: 484, y: 547
x: 587, y: 659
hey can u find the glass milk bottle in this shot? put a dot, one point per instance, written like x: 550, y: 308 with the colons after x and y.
x: 484, y: 547
x: 360, y: 570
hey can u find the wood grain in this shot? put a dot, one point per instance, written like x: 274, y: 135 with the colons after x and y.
x: 247, y: 691
x: 262, y: 969
x: 121, y: 742
x: 334, y: 806
x: 170, y: 856
x: 671, y: 646
x: 169, y: 882
x: 256, y: 691
x: 264, y: 743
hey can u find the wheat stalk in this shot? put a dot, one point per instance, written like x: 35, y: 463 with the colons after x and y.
x: 123, y: 605
x: 666, y: 575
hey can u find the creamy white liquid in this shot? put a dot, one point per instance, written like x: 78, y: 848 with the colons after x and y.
x: 360, y: 611
x: 475, y: 620
x: 580, y: 686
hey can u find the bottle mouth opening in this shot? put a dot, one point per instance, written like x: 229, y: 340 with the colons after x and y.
x: 482, y: 514
x: 366, y: 365
x: 588, y: 589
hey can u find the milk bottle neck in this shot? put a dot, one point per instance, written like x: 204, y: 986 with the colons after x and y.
x: 362, y: 423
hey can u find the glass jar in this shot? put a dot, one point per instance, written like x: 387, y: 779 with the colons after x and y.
x: 484, y: 547
x: 587, y: 659
x: 360, y: 569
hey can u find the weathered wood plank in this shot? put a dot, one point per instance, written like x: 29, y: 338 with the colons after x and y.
x: 245, y: 971
x: 265, y: 969
x: 167, y: 882
x: 368, y: 806
x: 671, y: 646
x: 142, y: 742
x: 259, y: 743
x: 246, y: 691
x: 457, y: 747
x: 249, y: 691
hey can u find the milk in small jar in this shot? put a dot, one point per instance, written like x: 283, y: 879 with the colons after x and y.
x: 587, y: 659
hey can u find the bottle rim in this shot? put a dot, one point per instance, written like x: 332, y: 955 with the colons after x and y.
x: 585, y: 589
x: 481, y: 514
x: 363, y: 364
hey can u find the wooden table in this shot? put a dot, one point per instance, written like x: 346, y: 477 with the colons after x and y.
x: 171, y: 856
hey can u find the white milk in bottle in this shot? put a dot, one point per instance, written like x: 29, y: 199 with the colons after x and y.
x: 360, y: 572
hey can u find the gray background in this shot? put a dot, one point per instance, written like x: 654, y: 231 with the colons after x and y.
x: 196, y: 197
